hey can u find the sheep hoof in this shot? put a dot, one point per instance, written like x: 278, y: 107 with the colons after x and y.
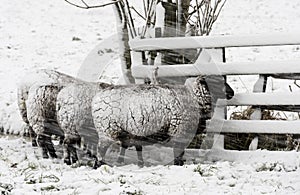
x: 98, y: 164
x: 178, y: 162
x: 67, y: 161
x: 34, y: 143
x: 120, y: 160
x: 45, y: 155
x: 74, y: 160
x: 141, y: 164
x: 53, y: 155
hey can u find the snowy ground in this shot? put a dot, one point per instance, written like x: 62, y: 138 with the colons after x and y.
x: 52, y: 34
x: 28, y: 173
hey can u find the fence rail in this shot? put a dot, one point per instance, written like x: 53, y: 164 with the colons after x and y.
x: 256, y: 99
x: 255, y: 126
x: 215, y: 41
x: 219, y: 68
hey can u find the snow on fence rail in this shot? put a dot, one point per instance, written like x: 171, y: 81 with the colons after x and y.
x: 209, y: 42
x: 216, y: 68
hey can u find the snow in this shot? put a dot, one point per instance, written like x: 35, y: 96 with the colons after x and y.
x: 54, y: 35
x: 28, y: 173
x: 267, y: 39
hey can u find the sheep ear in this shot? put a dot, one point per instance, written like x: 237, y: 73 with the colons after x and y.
x: 104, y: 85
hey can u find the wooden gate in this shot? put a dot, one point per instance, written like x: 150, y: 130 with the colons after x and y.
x: 211, y: 62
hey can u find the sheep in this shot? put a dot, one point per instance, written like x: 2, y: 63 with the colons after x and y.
x: 36, y: 100
x: 145, y: 114
x: 46, y: 109
x: 46, y: 101
x: 74, y: 117
x: 41, y: 115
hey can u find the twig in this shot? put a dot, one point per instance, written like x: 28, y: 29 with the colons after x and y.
x: 220, y: 10
x: 148, y: 16
x: 199, y: 7
x: 84, y: 3
x: 295, y: 83
x: 145, y: 9
x: 86, y: 6
x: 130, y: 20
x: 133, y: 8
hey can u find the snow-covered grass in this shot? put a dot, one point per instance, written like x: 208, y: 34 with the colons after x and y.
x: 23, y: 171
x: 52, y: 34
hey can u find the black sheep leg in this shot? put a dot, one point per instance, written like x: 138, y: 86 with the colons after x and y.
x: 70, y: 152
x: 33, y: 137
x: 72, y: 156
x: 50, y: 147
x: 178, y: 154
x: 67, y: 155
x: 41, y: 142
x: 44, y: 141
x: 139, y: 150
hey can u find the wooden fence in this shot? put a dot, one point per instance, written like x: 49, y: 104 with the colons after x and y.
x: 211, y: 63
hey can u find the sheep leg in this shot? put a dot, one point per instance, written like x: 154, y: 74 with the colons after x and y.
x: 122, y: 154
x: 33, y: 137
x: 178, y: 154
x: 74, y: 156
x: 41, y: 143
x: 70, y: 153
x: 139, y: 150
x: 44, y: 141
x: 102, y: 150
x: 90, y: 151
x: 50, y: 147
x: 103, y: 145
x: 67, y: 155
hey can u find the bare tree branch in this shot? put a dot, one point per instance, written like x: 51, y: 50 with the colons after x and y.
x: 84, y: 3
x: 86, y: 6
x: 145, y: 9
x: 139, y: 14
x: 130, y: 19
x: 206, y: 13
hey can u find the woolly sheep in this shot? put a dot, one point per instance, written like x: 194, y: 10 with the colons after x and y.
x: 42, y: 113
x: 42, y: 116
x: 36, y: 100
x: 74, y: 116
x: 146, y: 114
